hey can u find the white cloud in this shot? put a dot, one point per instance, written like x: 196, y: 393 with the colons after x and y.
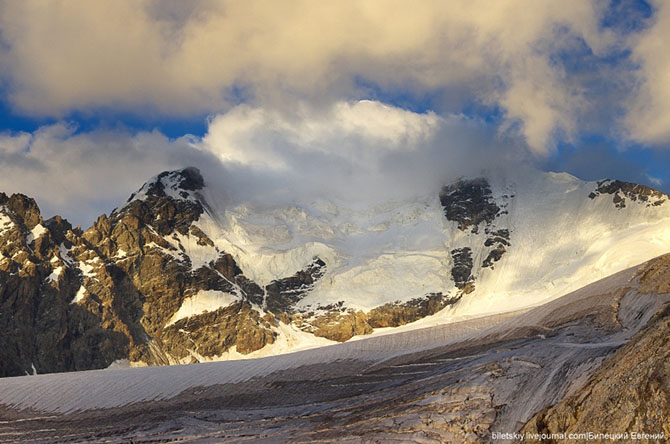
x: 354, y: 151
x: 648, y: 115
x: 186, y: 57
x: 655, y: 181
x: 354, y: 131
x: 82, y: 175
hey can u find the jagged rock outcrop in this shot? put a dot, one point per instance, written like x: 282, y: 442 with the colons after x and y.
x: 149, y: 241
x: 42, y: 329
x: 471, y: 205
x: 621, y: 191
x: 401, y: 313
x: 283, y: 294
x: 213, y: 333
x: 462, y: 269
x: 78, y: 300
x: 340, y: 324
x: 499, y: 240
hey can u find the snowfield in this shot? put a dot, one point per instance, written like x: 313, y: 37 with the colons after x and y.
x: 560, y: 240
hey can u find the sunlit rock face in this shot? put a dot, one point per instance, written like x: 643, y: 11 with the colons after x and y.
x: 179, y: 275
x: 622, y: 191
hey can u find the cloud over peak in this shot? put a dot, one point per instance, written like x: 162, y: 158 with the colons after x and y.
x: 360, y: 151
x: 648, y: 114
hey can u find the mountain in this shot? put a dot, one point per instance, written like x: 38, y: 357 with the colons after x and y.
x: 182, y: 274
x: 594, y: 360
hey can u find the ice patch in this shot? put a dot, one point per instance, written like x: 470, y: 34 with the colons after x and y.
x: 86, y: 269
x: 81, y: 294
x: 65, y: 255
x: 55, y: 273
x: 202, y: 302
x: 387, y: 278
x: 35, y: 233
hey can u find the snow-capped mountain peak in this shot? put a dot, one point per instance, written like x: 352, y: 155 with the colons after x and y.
x: 175, y: 277
x: 180, y: 184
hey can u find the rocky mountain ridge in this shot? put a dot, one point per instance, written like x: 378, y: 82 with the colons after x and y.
x: 153, y: 283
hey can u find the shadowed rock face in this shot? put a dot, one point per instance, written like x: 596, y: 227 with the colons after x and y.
x: 621, y: 191
x: 469, y: 203
x: 462, y: 269
x: 283, y: 294
x: 40, y: 327
x: 499, y: 240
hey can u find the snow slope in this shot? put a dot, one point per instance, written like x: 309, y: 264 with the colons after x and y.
x: 201, y: 302
x: 561, y: 239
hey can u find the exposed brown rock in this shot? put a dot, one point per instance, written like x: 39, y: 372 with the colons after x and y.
x: 24, y: 208
x: 212, y: 333
x: 340, y: 326
x: 655, y: 278
x: 397, y: 314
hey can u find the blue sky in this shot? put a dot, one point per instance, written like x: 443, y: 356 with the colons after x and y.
x: 581, y: 87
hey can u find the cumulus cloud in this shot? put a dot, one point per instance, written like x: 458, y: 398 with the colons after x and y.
x: 648, y: 115
x: 356, y: 152
x: 353, y: 151
x: 203, y: 56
